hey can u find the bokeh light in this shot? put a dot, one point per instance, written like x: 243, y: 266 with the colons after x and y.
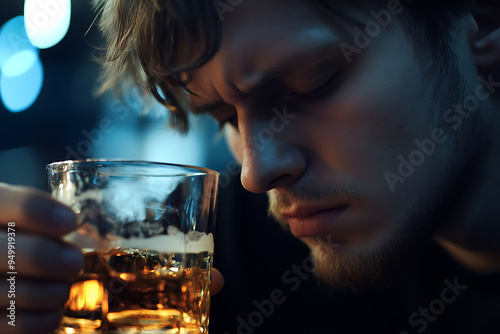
x: 19, y: 92
x: 47, y: 21
x: 19, y: 64
x: 17, y: 54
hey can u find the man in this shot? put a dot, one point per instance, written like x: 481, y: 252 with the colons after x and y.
x: 371, y: 125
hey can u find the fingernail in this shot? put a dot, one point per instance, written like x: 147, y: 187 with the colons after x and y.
x: 64, y: 218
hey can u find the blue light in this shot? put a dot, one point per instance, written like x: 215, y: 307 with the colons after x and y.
x: 19, y: 92
x: 47, y: 22
x: 19, y: 64
x: 17, y: 54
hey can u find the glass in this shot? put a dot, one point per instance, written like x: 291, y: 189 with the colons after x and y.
x: 146, y: 232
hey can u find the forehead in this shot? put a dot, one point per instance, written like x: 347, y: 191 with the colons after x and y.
x: 259, y: 35
x: 263, y: 20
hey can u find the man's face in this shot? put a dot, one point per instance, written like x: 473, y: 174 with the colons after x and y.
x: 326, y: 135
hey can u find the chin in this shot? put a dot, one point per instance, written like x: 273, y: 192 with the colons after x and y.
x: 358, y: 266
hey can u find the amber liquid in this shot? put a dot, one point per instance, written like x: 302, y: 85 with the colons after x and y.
x: 132, y: 291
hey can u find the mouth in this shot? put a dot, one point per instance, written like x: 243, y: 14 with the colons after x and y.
x: 310, y: 221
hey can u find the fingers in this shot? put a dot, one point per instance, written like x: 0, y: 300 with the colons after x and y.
x: 35, y: 211
x: 40, y: 257
x: 31, y: 223
x: 26, y: 296
x: 29, y: 322
x: 217, y: 282
x: 33, y: 295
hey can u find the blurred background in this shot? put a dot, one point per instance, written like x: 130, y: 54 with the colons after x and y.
x: 49, y: 110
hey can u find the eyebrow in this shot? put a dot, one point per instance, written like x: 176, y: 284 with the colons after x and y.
x: 286, y: 68
x: 290, y: 66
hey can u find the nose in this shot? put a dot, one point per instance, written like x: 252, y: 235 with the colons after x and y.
x: 271, y: 159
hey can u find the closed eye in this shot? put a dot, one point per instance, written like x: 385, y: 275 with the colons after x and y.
x: 323, y: 91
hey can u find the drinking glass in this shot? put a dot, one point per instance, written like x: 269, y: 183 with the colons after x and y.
x: 146, y: 232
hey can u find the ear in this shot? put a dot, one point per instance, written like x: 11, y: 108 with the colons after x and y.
x: 487, y: 46
x: 487, y: 50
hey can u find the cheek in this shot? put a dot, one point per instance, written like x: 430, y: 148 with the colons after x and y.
x: 362, y: 134
x: 379, y: 113
x: 365, y: 138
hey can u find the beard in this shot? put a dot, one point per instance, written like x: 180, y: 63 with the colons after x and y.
x: 378, y: 260
x: 375, y: 263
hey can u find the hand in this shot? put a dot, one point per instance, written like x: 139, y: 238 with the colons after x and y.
x: 32, y: 222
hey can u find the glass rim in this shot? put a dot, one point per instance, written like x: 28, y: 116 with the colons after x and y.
x: 207, y: 171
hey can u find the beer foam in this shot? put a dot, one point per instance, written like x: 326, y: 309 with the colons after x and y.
x: 174, y: 243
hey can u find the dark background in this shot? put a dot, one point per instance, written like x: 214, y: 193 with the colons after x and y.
x: 67, y: 106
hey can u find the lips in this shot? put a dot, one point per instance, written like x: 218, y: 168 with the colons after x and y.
x: 314, y: 221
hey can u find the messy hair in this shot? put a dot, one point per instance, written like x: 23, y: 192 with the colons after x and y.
x: 147, y: 43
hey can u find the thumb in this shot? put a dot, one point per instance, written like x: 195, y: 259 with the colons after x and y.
x: 217, y: 282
